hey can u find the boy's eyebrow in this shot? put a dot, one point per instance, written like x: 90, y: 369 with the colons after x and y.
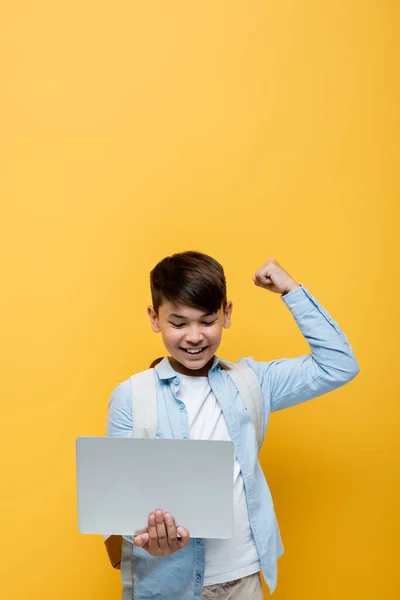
x: 183, y: 317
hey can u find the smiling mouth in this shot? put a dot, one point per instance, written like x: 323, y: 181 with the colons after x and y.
x: 194, y: 352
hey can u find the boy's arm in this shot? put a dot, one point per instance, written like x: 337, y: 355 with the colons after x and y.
x: 119, y: 419
x: 330, y: 365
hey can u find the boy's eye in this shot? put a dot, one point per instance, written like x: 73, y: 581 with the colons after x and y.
x: 180, y: 325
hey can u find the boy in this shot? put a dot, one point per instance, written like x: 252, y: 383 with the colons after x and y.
x: 197, y: 399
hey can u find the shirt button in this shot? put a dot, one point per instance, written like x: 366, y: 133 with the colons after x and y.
x: 182, y: 406
x: 198, y: 577
x: 176, y: 381
x: 198, y: 542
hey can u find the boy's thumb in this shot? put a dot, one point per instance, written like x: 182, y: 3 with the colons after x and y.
x: 141, y: 540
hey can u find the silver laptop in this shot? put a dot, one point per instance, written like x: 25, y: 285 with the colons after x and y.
x: 121, y: 480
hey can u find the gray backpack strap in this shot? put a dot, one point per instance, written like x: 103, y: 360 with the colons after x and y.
x: 248, y: 386
x: 127, y: 570
x: 144, y: 404
x: 144, y: 425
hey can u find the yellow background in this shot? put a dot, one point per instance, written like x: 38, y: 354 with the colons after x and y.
x: 247, y: 130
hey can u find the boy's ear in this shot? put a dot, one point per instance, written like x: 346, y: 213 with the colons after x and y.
x: 228, y: 315
x: 153, y: 319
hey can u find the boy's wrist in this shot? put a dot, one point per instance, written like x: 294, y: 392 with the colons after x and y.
x: 291, y: 288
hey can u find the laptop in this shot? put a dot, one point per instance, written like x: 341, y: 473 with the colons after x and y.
x: 121, y: 480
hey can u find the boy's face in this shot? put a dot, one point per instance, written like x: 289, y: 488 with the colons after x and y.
x: 190, y: 335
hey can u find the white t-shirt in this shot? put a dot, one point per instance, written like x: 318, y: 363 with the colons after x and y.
x: 226, y: 560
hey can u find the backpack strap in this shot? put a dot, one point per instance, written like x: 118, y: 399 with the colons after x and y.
x: 127, y: 575
x: 144, y: 425
x: 144, y: 404
x: 248, y: 386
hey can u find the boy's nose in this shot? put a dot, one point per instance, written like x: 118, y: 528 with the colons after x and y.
x: 194, y: 336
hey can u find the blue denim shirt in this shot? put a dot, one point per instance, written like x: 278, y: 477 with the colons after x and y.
x: 284, y: 383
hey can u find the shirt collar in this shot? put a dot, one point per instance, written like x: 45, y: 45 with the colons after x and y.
x: 165, y: 371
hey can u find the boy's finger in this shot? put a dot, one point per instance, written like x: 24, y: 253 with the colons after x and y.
x: 185, y: 537
x: 171, y: 531
x: 152, y: 532
x: 141, y: 540
x: 161, y: 531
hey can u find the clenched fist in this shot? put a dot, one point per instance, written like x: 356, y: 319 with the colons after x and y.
x: 271, y: 276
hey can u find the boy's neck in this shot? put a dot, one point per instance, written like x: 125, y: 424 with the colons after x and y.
x: 179, y: 368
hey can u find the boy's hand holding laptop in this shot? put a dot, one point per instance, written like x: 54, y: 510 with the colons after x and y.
x: 162, y: 537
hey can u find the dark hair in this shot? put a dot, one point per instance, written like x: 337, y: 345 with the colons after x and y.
x: 190, y: 278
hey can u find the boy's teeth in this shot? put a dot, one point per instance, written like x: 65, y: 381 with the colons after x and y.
x: 194, y: 351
